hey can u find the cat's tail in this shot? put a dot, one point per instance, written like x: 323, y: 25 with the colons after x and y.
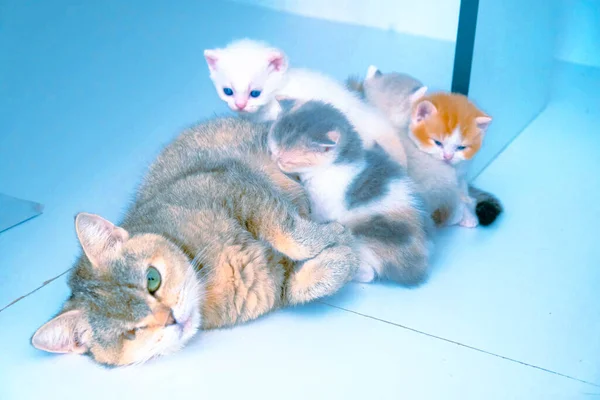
x: 355, y: 84
x: 488, y: 207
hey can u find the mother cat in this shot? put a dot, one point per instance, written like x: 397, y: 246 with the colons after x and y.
x: 217, y: 235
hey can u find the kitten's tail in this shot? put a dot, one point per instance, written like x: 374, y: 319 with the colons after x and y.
x: 355, y: 84
x: 487, y: 208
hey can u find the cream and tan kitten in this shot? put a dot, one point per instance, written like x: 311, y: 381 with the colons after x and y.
x: 364, y: 189
x: 439, y: 133
x: 217, y: 235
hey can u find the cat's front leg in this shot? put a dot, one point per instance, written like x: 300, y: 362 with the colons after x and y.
x: 467, y: 216
x: 469, y: 219
x: 467, y: 203
x: 278, y: 223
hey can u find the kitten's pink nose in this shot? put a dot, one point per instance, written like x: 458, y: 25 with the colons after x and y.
x: 241, y: 103
x: 448, y: 156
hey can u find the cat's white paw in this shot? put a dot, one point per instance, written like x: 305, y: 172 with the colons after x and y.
x: 457, y: 216
x: 365, y: 274
x: 469, y: 220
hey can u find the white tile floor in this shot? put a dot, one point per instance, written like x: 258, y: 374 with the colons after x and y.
x: 511, y: 312
x: 315, y: 351
x: 528, y: 288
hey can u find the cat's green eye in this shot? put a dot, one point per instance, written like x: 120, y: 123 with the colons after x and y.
x: 153, y: 279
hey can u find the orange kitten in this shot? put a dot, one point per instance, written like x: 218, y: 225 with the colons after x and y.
x: 450, y: 128
x: 396, y: 94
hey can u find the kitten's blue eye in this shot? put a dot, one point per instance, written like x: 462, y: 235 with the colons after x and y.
x: 461, y: 148
x: 437, y: 143
x: 255, y: 93
x: 228, y: 91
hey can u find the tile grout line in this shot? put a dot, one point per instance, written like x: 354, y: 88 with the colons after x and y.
x: 459, y: 344
x: 33, y: 291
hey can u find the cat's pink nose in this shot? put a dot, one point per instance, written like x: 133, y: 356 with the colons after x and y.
x: 448, y: 156
x: 241, y: 103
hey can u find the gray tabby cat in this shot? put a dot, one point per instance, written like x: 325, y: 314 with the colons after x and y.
x: 217, y: 235
x: 395, y: 94
x: 364, y: 189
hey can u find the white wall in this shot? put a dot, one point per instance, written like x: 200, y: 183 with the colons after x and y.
x: 513, y: 62
x: 578, y: 38
x: 437, y: 19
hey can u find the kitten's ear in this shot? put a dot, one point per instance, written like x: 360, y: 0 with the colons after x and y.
x: 285, y: 103
x: 483, y: 123
x: 422, y: 111
x: 211, y: 56
x: 278, y: 61
x: 331, y: 140
x: 417, y: 94
x: 66, y: 333
x: 372, y: 72
x: 101, y: 240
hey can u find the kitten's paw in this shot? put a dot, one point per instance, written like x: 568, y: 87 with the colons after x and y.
x: 323, y: 275
x: 469, y: 220
x: 313, y: 238
x: 365, y: 274
x: 334, y: 233
x: 456, y: 215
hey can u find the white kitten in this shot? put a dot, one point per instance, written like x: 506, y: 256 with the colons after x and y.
x: 250, y: 76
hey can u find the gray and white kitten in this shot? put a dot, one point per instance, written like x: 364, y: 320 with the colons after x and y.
x: 363, y: 189
x: 395, y: 94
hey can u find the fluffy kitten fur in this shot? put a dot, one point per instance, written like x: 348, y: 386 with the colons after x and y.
x: 229, y: 235
x: 375, y: 89
x: 441, y: 184
x: 364, y: 189
x: 246, y: 68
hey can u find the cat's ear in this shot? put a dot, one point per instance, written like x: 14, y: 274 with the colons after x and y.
x: 288, y: 104
x: 483, y: 122
x: 330, y: 140
x: 372, y: 72
x: 422, y: 111
x: 211, y: 56
x: 417, y: 94
x: 100, y: 239
x: 277, y: 61
x: 66, y: 333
